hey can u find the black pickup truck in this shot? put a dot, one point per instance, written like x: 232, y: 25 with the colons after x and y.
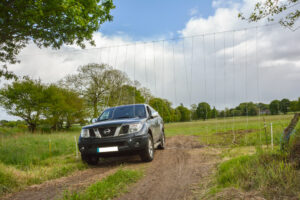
x: 123, y: 130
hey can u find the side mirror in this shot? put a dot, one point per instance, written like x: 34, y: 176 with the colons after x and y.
x: 94, y: 120
x: 154, y: 115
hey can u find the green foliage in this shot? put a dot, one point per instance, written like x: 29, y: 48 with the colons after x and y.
x: 203, y: 111
x: 284, y: 105
x: 185, y: 113
x: 294, y: 106
x: 62, y: 105
x: 214, y: 113
x: 163, y: 107
x: 41, y: 105
x: 127, y: 95
x: 101, y: 86
x: 24, y: 99
x: 109, y: 187
x: 270, y: 8
x: 49, y: 23
x: 267, y: 172
x: 274, y: 107
x: 247, y: 109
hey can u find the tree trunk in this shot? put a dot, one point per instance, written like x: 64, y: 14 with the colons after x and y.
x: 95, y: 115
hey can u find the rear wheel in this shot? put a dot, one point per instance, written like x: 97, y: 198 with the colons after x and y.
x: 91, y: 160
x: 148, y: 153
x: 162, y: 141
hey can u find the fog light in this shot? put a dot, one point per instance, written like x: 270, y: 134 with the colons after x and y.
x: 137, y: 144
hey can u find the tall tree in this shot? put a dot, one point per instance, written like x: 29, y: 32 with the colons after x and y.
x: 185, y: 113
x: 203, y: 111
x: 96, y: 83
x: 214, y: 113
x: 284, y: 105
x: 163, y: 107
x: 194, y: 111
x: 274, y: 107
x: 24, y: 99
x: 62, y: 105
x: 49, y: 23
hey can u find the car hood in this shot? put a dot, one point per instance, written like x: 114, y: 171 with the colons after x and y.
x: 114, y: 122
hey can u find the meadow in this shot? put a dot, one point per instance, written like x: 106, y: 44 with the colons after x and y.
x: 27, y: 159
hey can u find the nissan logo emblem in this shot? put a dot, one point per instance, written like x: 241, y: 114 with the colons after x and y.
x: 106, y: 131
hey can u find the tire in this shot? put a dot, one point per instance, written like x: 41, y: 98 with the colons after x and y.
x: 162, y: 141
x: 90, y: 160
x: 147, y: 154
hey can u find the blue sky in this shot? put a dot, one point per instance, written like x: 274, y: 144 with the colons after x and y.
x: 141, y: 19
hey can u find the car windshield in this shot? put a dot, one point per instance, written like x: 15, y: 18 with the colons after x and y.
x: 123, y: 112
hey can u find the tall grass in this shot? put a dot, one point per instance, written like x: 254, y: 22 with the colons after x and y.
x: 27, y: 159
x: 30, y: 149
x: 269, y: 173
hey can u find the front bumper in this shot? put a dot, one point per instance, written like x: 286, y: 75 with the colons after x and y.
x: 127, y: 144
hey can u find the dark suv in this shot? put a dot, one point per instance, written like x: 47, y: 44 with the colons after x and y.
x: 123, y: 130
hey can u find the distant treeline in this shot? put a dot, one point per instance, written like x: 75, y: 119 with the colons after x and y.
x: 204, y: 111
x: 79, y: 97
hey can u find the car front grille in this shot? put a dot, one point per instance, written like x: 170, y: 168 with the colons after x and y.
x: 107, y: 131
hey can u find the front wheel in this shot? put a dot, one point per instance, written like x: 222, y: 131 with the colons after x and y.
x: 162, y: 141
x: 148, y: 153
x: 90, y: 160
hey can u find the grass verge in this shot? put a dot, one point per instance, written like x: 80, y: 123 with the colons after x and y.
x: 269, y: 173
x: 110, y: 187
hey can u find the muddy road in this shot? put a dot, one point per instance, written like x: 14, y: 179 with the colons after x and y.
x: 174, y: 173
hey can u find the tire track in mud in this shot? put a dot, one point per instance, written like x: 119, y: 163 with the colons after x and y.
x: 174, y: 171
x: 171, y: 175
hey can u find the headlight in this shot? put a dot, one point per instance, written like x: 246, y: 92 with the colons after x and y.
x: 136, y: 127
x: 85, y: 133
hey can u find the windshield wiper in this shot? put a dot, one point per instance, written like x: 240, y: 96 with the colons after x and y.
x: 123, y: 117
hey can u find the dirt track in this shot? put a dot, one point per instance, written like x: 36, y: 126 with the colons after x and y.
x: 173, y: 174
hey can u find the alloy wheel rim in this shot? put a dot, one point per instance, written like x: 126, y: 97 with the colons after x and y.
x: 150, y: 147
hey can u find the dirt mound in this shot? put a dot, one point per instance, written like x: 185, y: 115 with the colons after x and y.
x: 184, y: 142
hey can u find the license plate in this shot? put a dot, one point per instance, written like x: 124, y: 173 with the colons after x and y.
x: 107, y: 149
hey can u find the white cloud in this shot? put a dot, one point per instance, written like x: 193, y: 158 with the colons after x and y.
x: 221, y: 81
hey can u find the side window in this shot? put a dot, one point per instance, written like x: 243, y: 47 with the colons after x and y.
x: 149, y: 111
x: 152, y: 110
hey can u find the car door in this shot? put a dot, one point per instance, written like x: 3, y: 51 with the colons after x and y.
x: 151, y: 123
x: 156, y: 125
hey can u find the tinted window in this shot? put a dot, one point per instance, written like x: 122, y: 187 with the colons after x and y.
x: 129, y: 112
x: 107, y: 114
x: 124, y: 112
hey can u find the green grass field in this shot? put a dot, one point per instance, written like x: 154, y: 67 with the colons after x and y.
x: 27, y: 159
x: 241, y: 131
